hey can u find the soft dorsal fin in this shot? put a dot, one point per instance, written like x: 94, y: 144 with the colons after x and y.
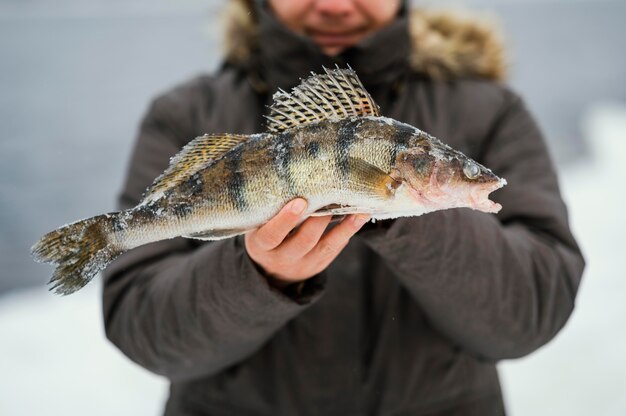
x: 196, y: 155
x: 337, y: 94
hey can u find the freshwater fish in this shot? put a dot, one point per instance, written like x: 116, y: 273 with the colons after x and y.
x: 326, y: 141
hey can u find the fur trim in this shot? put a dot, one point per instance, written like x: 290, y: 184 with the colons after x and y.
x: 240, y: 30
x: 447, y: 44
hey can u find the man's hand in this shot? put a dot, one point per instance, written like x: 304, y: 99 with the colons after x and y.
x: 289, y: 258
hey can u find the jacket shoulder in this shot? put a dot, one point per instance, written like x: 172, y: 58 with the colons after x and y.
x: 197, y: 88
x: 464, y: 111
x: 207, y: 103
x: 480, y: 95
x: 487, y: 109
x: 177, y: 108
x: 484, y: 102
x: 187, y: 91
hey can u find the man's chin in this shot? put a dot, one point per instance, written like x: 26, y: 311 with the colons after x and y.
x: 332, y: 50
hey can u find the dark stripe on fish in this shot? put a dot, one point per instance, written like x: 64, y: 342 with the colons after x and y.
x: 182, y: 210
x: 150, y: 210
x: 402, y: 135
x: 345, y: 138
x: 236, y: 183
x: 313, y: 149
x: 142, y: 214
x: 193, y: 186
x: 118, y: 223
x: 282, y: 158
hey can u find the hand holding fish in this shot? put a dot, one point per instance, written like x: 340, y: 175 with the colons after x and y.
x: 288, y: 258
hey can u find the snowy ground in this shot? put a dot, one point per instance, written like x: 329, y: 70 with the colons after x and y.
x: 59, y: 363
x: 55, y: 360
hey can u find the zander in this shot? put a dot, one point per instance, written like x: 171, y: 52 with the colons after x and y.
x: 326, y: 142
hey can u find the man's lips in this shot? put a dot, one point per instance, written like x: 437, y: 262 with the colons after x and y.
x: 336, y: 38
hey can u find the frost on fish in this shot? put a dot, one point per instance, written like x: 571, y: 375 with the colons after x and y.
x: 326, y: 142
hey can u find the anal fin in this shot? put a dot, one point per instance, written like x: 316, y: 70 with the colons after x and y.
x: 211, y: 235
x: 339, y: 210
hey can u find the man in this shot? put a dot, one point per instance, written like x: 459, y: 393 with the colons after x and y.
x: 405, y: 317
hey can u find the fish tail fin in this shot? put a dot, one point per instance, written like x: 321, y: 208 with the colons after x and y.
x: 79, y: 250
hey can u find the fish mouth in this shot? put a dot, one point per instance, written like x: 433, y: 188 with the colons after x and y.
x: 479, y: 197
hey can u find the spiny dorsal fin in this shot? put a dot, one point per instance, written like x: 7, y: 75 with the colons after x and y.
x: 196, y: 155
x: 337, y: 94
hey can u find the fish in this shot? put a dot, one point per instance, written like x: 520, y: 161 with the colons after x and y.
x: 326, y: 142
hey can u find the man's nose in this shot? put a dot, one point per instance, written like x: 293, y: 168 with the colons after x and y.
x: 335, y: 8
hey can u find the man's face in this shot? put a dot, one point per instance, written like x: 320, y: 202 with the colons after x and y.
x: 335, y: 24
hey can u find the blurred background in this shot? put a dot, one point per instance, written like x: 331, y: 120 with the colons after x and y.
x: 76, y: 77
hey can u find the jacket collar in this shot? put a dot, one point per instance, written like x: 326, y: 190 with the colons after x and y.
x: 283, y: 57
x: 439, y: 44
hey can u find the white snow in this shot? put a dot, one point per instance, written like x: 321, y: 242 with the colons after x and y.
x: 56, y: 360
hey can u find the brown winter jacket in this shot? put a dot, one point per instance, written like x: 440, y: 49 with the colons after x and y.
x: 413, y: 315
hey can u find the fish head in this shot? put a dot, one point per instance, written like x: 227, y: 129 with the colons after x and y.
x: 439, y: 177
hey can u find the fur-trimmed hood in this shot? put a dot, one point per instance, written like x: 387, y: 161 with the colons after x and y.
x: 444, y: 44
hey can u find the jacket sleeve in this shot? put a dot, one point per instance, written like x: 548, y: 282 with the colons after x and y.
x: 500, y: 286
x: 182, y: 308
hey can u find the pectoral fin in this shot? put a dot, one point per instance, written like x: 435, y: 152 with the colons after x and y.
x: 369, y: 180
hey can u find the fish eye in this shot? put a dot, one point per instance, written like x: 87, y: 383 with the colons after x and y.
x: 471, y: 170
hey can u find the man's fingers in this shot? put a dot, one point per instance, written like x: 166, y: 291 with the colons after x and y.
x: 336, y: 239
x: 305, y: 238
x: 271, y: 234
